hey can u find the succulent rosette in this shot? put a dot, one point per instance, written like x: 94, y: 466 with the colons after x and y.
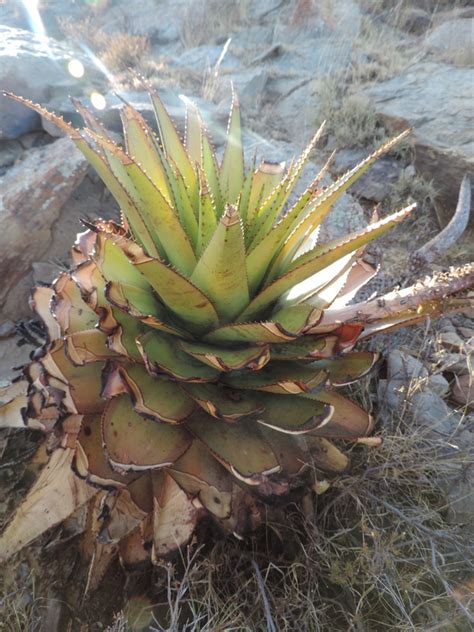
x: 195, y: 349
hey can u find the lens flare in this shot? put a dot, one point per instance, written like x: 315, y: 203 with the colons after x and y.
x: 76, y: 68
x: 98, y: 100
x: 34, y: 18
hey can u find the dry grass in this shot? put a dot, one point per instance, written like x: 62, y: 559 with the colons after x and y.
x: 212, y: 21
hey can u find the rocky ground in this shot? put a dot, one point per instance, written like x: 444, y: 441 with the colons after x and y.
x: 369, y: 67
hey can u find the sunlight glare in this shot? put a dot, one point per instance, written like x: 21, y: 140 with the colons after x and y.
x: 98, y: 100
x: 76, y: 68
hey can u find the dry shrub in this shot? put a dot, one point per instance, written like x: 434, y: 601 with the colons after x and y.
x: 124, y: 51
x: 210, y: 21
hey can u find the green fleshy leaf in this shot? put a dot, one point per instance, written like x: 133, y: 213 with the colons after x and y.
x: 155, y: 398
x: 89, y: 345
x: 278, y: 377
x: 293, y: 414
x: 227, y: 359
x: 141, y: 304
x: 348, y: 421
x: 325, y: 456
x: 266, y: 178
x: 232, y: 168
x: 137, y: 444
x: 238, y: 447
x: 317, y: 259
x: 201, y: 475
x: 220, y: 270
x: 224, y: 403
x: 172, y: 144
x: 90, y: 461
x: 285, y: 325
x: 349, y: 367
x: 179, y: 295
x: 322, y: 205
x: 163, y: 357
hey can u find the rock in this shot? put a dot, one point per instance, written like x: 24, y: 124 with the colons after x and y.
x: 159, y: 24
x: 9, y: 152
x: 44, y: 272
x: 415, y: 20
x: 11, y: 356
x: 264, y: 9
x: 430, y: 410
x: 463, y: 390
x: 376, y: 183
x: 438, y: 384
x: 453, y: 362
x: 7, y: 329
x: 203, y: 57
x: 34, y: 68
x: 32, y: 194
x: 443, y: 127
x: 452, y: 41
x: 403, y: 367
x: 451, y: 340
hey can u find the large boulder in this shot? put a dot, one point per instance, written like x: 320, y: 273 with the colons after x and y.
x: 35, y: 68
x: 436, y: 100
x: 453, y: 41
x: 32, y: 194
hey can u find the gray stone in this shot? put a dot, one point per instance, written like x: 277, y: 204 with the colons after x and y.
x: 376, y: 183
x: 44, y: 272
x: 461, y: 498
x: 430, y: 410
x: 443, y: 126
x: 7, y: 329
x: 415, y: 20
x: 32, y: 194
x: 203, y: 57
x: 10, y: 150
x: 402, y: 367
x: 453, y: 41
x: 438, y: 384
x: 11, y: 356
x: 34, y: 68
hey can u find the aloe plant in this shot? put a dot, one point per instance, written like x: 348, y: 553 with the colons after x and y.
x: 194, y: 350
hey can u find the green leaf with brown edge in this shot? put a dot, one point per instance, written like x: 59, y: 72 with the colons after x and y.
x: 81, y: 384
x: 179, y: 295
x: 278, y: 377
x: 232, y: 167
x: 167, y: 231
x: 224, y: 402
x: 163, y: 357
x: 238, y: 447
x: 160, y: 399
x: 193, y: 131
x: 266, y: 178
x: 226, y: 358
x: 220, y: 270
x: 69, y: 308
x: 201, y: 475
x: 90, y: 462
x: 135, y: 443
x: 143, y: 147
x: 143, y: 305
x: 211, y: 170
x: 207, y: 215
x: 323, y: 204
x: 273, y: 205
x: 41, y: 301
x: 290, y: 450
x: 114, y: 264
x: 87, y: 346
x: 349, y: 421
x: 349, y: 367
x: 170, y: 139
x: 292, y: 414
x: 285, y: 325
x: 317, y: 259
x: 123, y: 338
x: 306, y: 348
